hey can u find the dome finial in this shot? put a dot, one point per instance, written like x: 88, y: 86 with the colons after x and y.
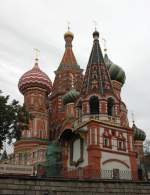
x: 68, y: 24
x: 37, y: 51
x: 105, y: 45
x: 133, y: 118
x: 95, y: 33
x: 95, y: 25
x: 68, y: 36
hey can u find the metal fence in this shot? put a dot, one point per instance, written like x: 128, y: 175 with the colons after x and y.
x: 114, y: 174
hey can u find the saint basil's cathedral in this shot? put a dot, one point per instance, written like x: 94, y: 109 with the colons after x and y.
x: 79, y: 122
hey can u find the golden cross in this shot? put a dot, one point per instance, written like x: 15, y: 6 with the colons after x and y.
x: 68, y: 25
x: 95, y: 25
x: 37, y: 51
x: 105, y: 43
x: 133, y: 118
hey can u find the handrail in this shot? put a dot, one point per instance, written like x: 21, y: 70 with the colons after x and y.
x: 99, y: 117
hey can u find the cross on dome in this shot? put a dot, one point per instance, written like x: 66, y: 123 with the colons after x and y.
x: 95, y: 25
x: 68, y: 25
x: 37, y: 51
x: 105, y: 44
x: 133, y: 118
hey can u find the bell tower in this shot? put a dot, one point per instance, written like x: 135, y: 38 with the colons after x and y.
x: 97, y: 91
x: 35, y: 86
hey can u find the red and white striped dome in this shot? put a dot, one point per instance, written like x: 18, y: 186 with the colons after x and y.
x: 35, y: 78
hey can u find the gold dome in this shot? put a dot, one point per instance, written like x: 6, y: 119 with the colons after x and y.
x: 68, y: 33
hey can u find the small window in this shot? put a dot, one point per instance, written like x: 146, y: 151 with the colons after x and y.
x: 34, y: 155
x: 25, y: 158
x: 113, y: 133
x: 121, y: 145
x: 106, y: 142
x: 79, y: 106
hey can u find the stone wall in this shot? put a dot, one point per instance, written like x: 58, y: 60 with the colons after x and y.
x: 53, y: 186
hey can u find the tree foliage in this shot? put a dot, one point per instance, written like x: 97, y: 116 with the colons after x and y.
x: 13, y: 119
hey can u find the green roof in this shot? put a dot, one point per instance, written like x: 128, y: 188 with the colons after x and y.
x: 138, y: 133
x: 116, y: 72
x: 70, y: 96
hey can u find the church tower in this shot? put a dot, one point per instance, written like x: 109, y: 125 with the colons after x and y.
x: 97, y: 84
x: 35, y: 86
x: 68, y: 73
x: 99, y: 140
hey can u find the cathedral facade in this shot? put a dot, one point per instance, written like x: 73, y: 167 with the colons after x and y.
x: 83, y: 114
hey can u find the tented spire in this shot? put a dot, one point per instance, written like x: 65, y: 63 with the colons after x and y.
x: 68, y: 61
x: 96, y: 78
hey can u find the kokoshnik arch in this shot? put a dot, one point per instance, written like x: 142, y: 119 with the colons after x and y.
x: 78, y: 121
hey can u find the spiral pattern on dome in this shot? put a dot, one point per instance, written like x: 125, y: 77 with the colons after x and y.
x: 35, y: 78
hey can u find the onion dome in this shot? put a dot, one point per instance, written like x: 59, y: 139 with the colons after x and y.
x: 68, y: 34
x: 116, y: 72
x: 95, y: 34
x: 68, y: 61
x: 138, y: 133
x: 35, y: 78
x: 71, y: 96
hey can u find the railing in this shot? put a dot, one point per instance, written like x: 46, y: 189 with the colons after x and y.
x: 100, y: 117
x: 87, y: 173
x: 114, y: 174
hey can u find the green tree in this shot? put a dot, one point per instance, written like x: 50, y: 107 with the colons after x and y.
x: 13, y: 119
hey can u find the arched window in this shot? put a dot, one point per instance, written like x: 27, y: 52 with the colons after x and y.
x: 25, y: 158
x: 121, y: 142
x: 94, y: 105
x: 106, y: 142
x: 79, y: 109
x: 106, y: 139
x: 110, y: 106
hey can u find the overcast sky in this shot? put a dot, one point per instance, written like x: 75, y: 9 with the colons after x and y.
x: 125, y: 24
